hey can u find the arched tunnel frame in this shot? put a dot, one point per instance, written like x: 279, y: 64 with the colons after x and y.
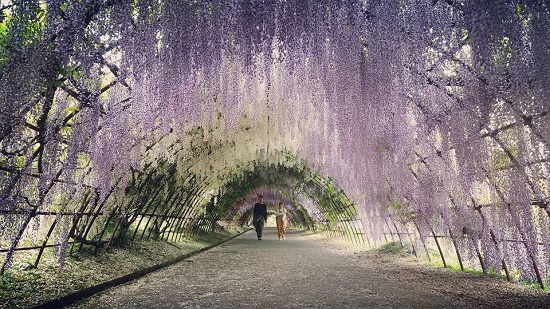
x: 157, y: 205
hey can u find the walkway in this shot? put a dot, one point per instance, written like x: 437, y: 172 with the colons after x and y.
x: 301, y: 272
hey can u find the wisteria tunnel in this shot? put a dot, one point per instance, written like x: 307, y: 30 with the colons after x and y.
x: 424, y: 122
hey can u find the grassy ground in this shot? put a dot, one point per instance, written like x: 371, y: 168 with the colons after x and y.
x: 22, y: 286
x: 395, y: 249
x: 471, y: 288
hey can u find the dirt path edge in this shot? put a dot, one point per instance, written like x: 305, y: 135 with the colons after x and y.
x: 87, y: 292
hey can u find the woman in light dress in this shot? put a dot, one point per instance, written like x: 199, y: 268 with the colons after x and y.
x: 280, y: 217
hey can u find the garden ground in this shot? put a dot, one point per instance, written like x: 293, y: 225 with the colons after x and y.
x: 311, y: 271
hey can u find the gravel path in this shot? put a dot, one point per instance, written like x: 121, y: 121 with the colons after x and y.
x: 309, y: 271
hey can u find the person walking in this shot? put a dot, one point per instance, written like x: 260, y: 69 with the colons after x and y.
x: 280, y: 217
x: 260, y: 216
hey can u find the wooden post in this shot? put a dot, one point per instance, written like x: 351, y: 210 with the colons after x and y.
x: 73, y: 231
x: 104, y: 229
x: 174, y: 216
x: 456, y: 250
x: 411, y: 241
x: 479, y: 256
x: 96, y: 214
x: 114, y: 232
x: 165, y: 216
x: 439, y: 248
x: 149, y: 219
x: 397, y: 232
x: 184, y: 212
x: 16, y: 240
x: 44, y: 243
x: 144, y: 210
x: 422, y: 241
x: 85, y: 225
x: 516, y: 221
x: 389, y: 229
x: 190, y: 211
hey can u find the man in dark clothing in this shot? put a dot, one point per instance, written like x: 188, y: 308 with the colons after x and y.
x: 260, y: 216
